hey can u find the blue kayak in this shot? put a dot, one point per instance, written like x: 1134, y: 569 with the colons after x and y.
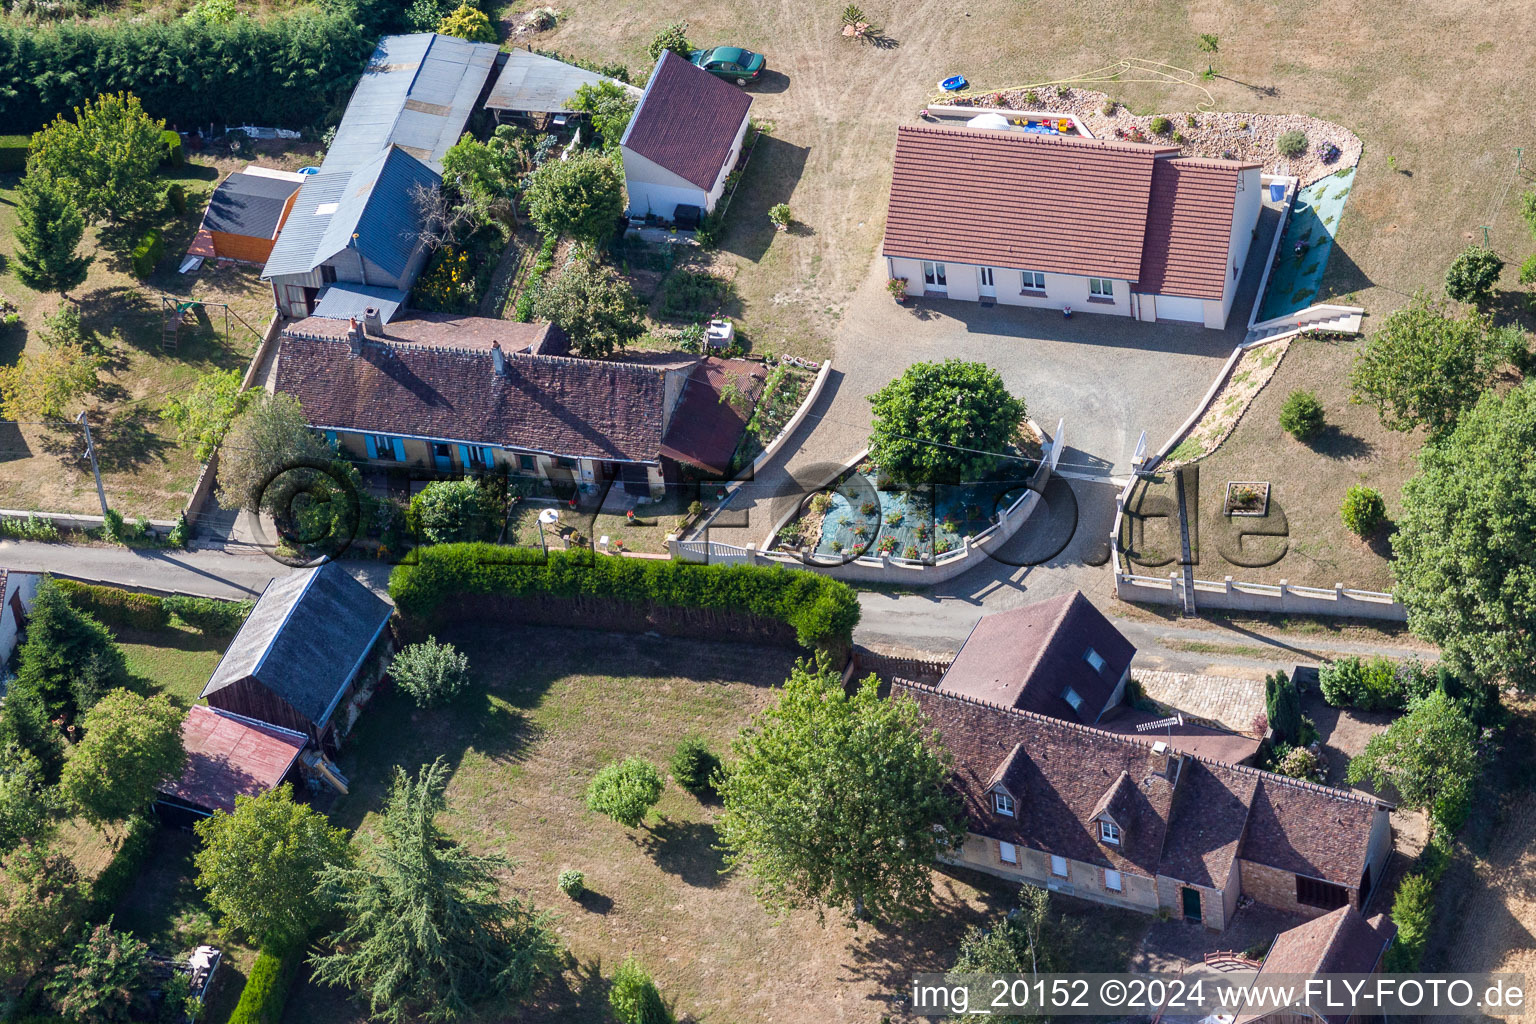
x: 953, y: 83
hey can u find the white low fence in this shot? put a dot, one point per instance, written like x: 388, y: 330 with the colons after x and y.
x: 1283, y: 597
x: 888, y: 568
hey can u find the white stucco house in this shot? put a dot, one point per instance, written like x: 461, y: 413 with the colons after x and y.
x: 1102, y: 226
x: 683, y: 140
x: 17, y: 589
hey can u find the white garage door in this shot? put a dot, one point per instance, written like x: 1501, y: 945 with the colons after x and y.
x: 1173, y: 307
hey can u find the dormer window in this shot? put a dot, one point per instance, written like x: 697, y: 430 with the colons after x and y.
x: 1109, y: 832
x: 1094, y: 658
x: 1002, y: 803
x: 1072, y: 697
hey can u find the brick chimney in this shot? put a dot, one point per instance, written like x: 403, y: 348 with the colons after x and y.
x: 355, y: 337
x: 498, y: 359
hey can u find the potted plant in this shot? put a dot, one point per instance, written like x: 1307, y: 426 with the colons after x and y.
x: 897, y: 286
x: 780, y: 217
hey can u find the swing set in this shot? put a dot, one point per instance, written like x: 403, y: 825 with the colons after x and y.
x: 178, y: 313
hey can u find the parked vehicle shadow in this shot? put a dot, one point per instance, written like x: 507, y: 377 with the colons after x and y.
x: 771, y: 81
x: 770, y: 179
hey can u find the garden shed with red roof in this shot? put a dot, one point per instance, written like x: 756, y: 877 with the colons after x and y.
x: 683, y: 140
x: 228, y: 756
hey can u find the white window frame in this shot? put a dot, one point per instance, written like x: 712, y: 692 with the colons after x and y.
x: 1109, y: 832
x: 1059, y: 862
x: 987, y: 279
x: 476, y: 455
x: 384, y: 448
x: 1110, y: 874
x: 1101, y: 287
x: 1068, y: 694
x: 1002, y: 803
x: 1007, y: 853
x: 1031, y: 281
x: 935, y: 274
x: 1095, y: 659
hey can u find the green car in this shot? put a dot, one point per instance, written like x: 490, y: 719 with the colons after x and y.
x: 731, y: 63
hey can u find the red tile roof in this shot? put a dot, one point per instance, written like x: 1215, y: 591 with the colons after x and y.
x: 576, y: 408
x: 1189, y: 227
x: 1058, y: 204
x: 1184, y: 816
x: 686, y: 121
x: 229, y: 756
x: 1027, y: 657
x: 1339, y: 942
x: 705, y: 428
x: 1061, y: 204
x: 451, y: 330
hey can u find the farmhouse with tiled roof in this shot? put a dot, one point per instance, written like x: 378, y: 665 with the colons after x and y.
x: 1136, y: 822
x: 468, y: 394
x: 1102, y: 226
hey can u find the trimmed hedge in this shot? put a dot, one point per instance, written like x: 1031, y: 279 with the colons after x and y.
x: 13, y: 152
x: 147, y: 254
x: 266, y: 989
x: 120, y: 608
x: 289, y: 71
x: 208, y: 614
x: 822, y: 611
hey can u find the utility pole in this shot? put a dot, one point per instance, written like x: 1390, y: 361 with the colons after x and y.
x: 90, y: 450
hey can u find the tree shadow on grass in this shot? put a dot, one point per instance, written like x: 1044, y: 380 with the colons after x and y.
x: 1334, y: 443
x: 127, y: 440
x: 13, y: 444
x: 576, y: 995
x: 687, y: 850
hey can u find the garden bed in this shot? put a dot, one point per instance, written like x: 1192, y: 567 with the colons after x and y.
x: 1246, y: 498
x: 781, y: 397
x: 1253, y: 370
x: 1232, y: 136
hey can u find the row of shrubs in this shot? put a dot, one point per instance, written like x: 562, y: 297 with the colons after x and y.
x: 266, y: 988
x: 821, y: 611
x: 127, y: 609
x: 147, y: 254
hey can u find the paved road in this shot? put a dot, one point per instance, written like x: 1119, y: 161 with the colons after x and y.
x: 937, y: 622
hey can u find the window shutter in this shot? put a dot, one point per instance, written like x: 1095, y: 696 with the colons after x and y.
x: 399, y: 447
x: 330, y: 438
x: 373, y: 449
x: 489, y: 456
x: 464, y: 455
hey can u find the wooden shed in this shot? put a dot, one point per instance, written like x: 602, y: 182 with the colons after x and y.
x: 298, y: 654
x: 245, y: 214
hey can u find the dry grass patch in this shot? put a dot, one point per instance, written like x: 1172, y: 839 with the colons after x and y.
x: 144, y: 472
x: 548, y: 709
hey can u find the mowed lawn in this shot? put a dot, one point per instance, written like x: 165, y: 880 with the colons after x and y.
x: 1307, y: 481
x: 549, y: 707
x: 174, y: 660
x: 1413, y: 82
x: 144, y: 471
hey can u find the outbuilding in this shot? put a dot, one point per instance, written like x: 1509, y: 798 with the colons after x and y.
x: 228, y: 756
x: 683, y: 141
x: 245, y: 214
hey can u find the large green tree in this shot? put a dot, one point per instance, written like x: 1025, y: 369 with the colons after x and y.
x: 839, y: 801
x: 427, y: 933
x: 1429, y: 756
x: 104, y: 161
x: 482, y: 176
x: 271, y: 436
x: 948, y: 422
x: 132, y: 745
x: 609, y: 105
x: 27, y: 801
x: 580, y: 198
x: 48, y: 233
x: 69, y: 659
x: 202, y: 416
x: 41, y: 901
x: 1426, y: 364
x: 1465, y: 550
x: 594, y: 306
x: 260, y: 865
x: 104, y: 980
x: 46, y: 384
